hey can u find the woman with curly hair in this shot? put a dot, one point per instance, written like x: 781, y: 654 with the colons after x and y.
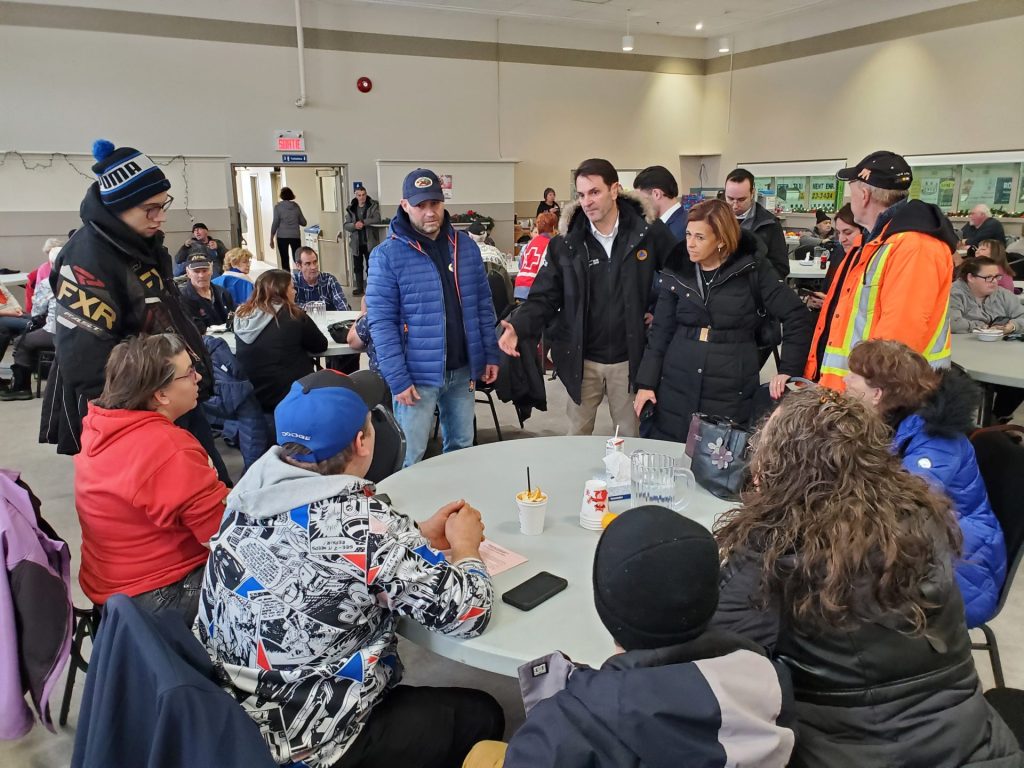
x: 840, y: 564
x: 930, y: 413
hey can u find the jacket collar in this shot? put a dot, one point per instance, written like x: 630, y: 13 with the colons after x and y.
x: 402, y: 227
x: 122, y: 237
x: 709, y: 645
x: 740, y: 261
x: 630, y: 204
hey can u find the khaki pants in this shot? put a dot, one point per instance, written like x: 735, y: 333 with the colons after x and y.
x: 486, y: 754
x: 600, y: 379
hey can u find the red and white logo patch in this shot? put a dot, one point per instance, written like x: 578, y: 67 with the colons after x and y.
x: 423, y: 182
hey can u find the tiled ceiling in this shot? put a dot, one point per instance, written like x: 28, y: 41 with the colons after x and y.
x: 680, y: 17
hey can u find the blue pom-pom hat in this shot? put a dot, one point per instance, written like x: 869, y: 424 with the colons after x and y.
x: 125, y: 176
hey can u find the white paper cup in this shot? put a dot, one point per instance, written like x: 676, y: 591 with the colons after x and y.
x: 531, y: 516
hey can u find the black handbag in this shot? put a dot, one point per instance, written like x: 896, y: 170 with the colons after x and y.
x: 719, y: 451
x: 339, y: 331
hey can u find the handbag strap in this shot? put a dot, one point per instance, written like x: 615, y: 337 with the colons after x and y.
x: 762, y: 311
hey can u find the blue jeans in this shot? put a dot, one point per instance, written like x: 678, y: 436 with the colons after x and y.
x: 454, y: 399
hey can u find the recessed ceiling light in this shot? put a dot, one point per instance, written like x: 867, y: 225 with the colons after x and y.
x: 699, y: 26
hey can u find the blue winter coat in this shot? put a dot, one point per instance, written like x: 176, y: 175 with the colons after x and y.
x: 235, y: 283
x: 234, y: 402
x: 933, y: 445
x: 405, y: 307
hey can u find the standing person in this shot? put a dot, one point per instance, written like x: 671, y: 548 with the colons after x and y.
x: 702, y: 351
x: 848, y: 234
x: 208, y: 304
x: 275, y: 339
x: 286, y: 228
x: 982, y: 226
x: 657, y: 184
x: 741, y: 195
x: 38, y: 336
x: 839, y: 564
x: 360, y: 216
x: 113, y: 280
x: 549, y: 204
x: 431, y: 318
x: 996, y: 250
x: 147, y: 498
x: 895, y: 285
x: 931, y: 413
x: 532, y: 257
x: 235, y: 279
x: 596, y: 288
x: 309, y: 575
x: 201, y: 242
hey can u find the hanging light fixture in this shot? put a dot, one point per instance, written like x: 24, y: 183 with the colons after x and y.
x: 723, y: 45
x: 627, y: 39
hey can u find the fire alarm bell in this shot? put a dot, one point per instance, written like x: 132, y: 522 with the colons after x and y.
x: 364, y: 84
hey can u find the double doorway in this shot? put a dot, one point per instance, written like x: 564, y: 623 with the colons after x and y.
x: 320, y: 191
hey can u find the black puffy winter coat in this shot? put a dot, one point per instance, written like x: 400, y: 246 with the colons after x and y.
x: 701, y: 353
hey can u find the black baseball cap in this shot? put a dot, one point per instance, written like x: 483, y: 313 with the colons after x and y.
x: 882, y: 169
x: 198, y: 261
x: 422, y: 185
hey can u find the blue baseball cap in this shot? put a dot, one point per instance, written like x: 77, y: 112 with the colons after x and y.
x: 422, y: 185
x: 323, y: 412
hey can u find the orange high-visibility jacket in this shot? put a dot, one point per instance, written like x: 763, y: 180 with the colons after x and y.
x: 896, y: 287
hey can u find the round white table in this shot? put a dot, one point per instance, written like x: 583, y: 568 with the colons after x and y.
x: 333, y: 348
x: 488, y: 477
x: 989, y: 363
x: 800, y: 270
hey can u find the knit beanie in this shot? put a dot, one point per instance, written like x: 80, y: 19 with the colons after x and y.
x: 126, y: 177
x: 820, y: 216
x: 655, y: 578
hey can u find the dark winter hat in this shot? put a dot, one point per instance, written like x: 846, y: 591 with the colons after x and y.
x: 126, y: 176
x: 655, y: 578
x: 476, y: 228
x: 820, y: 216
x: 422, y: 185
x: 198, y: 260
x: 883, y: 169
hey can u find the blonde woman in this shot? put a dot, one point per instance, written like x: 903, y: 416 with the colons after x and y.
x: 235, y: 279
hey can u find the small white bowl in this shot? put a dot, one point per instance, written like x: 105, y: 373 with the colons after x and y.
x: 987, y: 334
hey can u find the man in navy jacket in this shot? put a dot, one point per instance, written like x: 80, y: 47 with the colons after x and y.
x: 658, y: 185
x: 431, y: 318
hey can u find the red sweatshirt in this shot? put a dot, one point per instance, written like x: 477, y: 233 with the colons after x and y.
x: 148, y: 500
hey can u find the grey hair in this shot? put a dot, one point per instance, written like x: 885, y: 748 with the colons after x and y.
x: 983, y: 208
x: 50, y: 244
x: 887, y: 197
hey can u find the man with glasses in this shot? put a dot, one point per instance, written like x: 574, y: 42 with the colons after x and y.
x: 113, y: 280
x: 896, y: 284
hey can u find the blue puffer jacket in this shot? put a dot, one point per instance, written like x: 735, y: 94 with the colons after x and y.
x: 405, y: 307
x: 932, y: 444
x: 234, y: 403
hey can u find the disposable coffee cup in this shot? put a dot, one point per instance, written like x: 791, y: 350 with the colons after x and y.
x: 531, y: 516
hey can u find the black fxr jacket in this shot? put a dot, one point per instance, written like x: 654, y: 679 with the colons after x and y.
x: 563, y: 288
x: 110, y: 283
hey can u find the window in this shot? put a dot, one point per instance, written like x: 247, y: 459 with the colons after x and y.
x: 934, y: 184
x: 988, y: 184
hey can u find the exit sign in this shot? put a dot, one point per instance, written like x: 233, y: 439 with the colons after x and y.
x: 290, y: 141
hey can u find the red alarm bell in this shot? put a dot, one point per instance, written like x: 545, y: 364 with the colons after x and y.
x: 364, y: 84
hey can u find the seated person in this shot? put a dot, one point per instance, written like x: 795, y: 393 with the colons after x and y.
x: 313, y: 285
x: 235, y: 279
x: 839, y: 563
x: 359, y: 338
x: 206, y: 303
x: 200, y: 242
x: 671, y: 687
x: 42, y: 272
x: 996, y: 250
x: 308, y: 577
x: 38, y: 337
x: 822, y: 225
x: 275, y: 339
x: 931, y: 413
x: 147, y: 498
x: 12, y: 319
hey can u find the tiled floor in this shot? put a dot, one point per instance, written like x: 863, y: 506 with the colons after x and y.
x: 50, y: 476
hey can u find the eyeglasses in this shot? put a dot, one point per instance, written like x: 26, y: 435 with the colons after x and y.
x: 151, y: 210
x: 191, y: 373
x: 987, y: 278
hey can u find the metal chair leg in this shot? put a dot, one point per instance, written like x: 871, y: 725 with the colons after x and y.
x: 993, y: 652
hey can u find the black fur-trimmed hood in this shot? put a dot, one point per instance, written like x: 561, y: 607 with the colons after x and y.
x: 951, y: 411
x: 572, y: 213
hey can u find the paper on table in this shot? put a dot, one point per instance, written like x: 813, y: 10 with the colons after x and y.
x: 497, y: 558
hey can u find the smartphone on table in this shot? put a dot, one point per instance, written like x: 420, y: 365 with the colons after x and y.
x: 534, y: 591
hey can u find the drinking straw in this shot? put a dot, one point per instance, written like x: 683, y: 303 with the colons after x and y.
x: 529, y: 488
x: 616, y: 432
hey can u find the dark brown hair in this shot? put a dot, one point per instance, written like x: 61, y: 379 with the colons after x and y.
x: 845, y: 215
x: 738, y: 175
x: 844, y: 535
x: 271, y: 288
x: 287, y: 194
x: 546, y: 223
x: 335, y: 465
x: 595, y: 166
x: 722, y: 221
x: 137, y: 368
x: 997, y: 252
x: 904, y: 376
x: 973, y: 266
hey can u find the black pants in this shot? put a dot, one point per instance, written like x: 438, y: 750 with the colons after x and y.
x: 28, y: 347
x: 360, y: 263
x: 283, y: 244
x: 195, y: 422
x: 181, y: 596
x: 1008, y: 400
x: 421, y: 727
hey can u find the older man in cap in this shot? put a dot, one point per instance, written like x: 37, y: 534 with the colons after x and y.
x: 896, y: 284
x: 431, y: 318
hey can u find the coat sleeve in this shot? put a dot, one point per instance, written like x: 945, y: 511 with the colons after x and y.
x: 373, y: 214
x: 784, y: 305
x: 738, y: 610
x: 383, y: 310
x: 313, y: 339
x: 302, y: 219
x: 662, y: 330
x: 913, y: 277
x: 487, y: 319
x: 350, y: 220
x: 778, y: 251
x: 546, y: 295
x: 959, y: 315
x: 277, y: 220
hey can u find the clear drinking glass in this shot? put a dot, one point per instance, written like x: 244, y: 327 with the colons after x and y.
x: 656, y: 478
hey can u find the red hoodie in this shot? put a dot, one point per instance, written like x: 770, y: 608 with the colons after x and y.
x: 148, y: 500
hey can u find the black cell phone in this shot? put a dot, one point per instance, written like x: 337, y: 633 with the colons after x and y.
x: 534, y: 591
x: 647, y: 412
x: 805, y: 291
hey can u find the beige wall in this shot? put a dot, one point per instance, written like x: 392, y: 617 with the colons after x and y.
x: 949, y: 91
